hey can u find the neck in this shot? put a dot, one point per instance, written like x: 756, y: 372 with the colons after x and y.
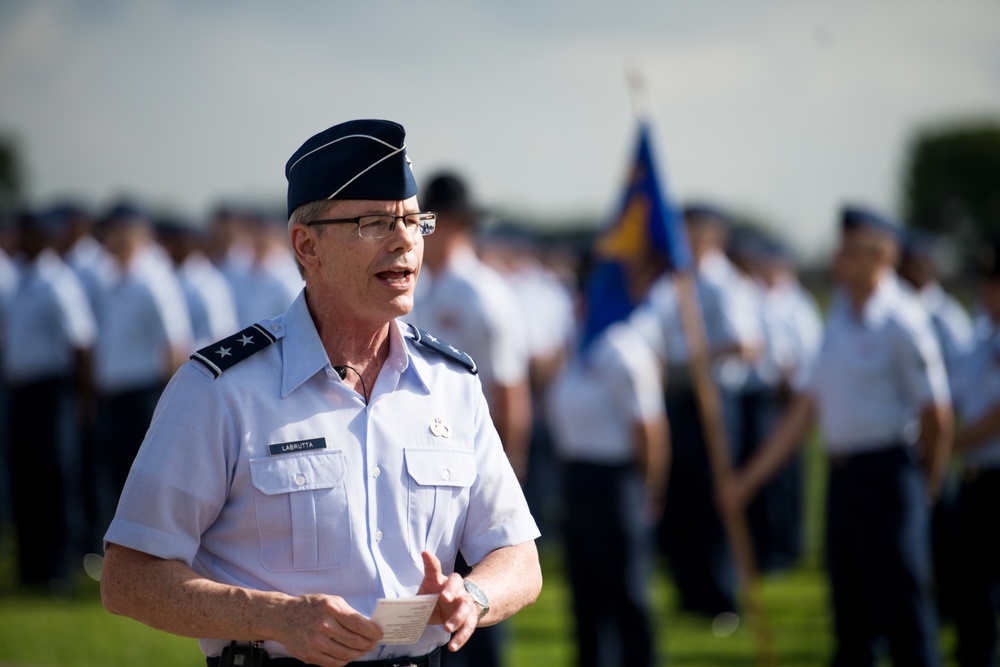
x: 362, y: 346
x: 860, y: 293
x: 449, y: 246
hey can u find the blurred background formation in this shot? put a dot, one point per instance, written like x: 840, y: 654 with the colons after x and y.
x: 112, y: 273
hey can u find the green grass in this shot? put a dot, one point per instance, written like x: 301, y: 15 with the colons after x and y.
x: 37, y: 631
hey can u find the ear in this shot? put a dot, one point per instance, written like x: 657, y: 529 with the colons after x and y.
x: 303, y: 241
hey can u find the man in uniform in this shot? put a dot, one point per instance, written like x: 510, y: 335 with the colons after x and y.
x: 145, y: 334
x: 314, y: 463
x: 473, y: 307
x: 691, y: 532
x: 918, y: 267
x: 206, y: 291
x: 880, y: 390
x: 793, y: 330
x: 977, y: 559
x: 48, y: 333
x: 608, y: 422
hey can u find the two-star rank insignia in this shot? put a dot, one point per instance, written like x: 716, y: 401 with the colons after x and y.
x: 228, y: 352
x: 430, y: 342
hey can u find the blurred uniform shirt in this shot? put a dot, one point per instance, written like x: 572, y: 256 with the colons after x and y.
x: 599, y: 397
x: 141, y: 314
x: 875, y: 371
x: 470, y: 305
x: 48, y: 318
x: 976, y: 385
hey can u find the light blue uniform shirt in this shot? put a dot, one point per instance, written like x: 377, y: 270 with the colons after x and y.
x: 210, y: 300
x: 731, y: 315
x: 47, y: 318
x: 976, y: 383
x: 876, y: 370
x: 141, y: 314
x: 952, y: 323
x: 469, y: 304
x: 793, y: 332
x: 221, y: 485
x: 600, y: 396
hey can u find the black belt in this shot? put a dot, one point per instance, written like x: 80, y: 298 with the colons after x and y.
x: 432, y: 659
x: 841, y: 460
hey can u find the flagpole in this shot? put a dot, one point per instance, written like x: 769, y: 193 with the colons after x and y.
x: 710, y: 413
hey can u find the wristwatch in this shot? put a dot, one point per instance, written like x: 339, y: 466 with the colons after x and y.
x: 479, y: 597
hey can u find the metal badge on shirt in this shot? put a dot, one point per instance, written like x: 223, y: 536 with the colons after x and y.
x: 440, y: 429
x: 296, y: 446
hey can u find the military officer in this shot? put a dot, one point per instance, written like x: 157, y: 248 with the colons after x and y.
x: 314, y: 463
x: 880, y: 391
x: 977, y: 442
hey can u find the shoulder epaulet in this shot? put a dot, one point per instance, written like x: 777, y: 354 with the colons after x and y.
x: 426, y: 340
x: 228, y: 352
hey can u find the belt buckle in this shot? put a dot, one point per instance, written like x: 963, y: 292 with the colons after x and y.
x: 403, y: 664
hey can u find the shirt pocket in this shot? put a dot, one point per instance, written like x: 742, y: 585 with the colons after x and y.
x: 303, y: 514
x: 438, y: 495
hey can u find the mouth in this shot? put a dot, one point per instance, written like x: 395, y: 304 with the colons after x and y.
x: 397, y: 278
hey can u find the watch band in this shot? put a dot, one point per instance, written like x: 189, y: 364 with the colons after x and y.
x: 479, y: 597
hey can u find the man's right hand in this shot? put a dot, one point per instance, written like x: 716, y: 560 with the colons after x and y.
x: 324, y: 630
x: 733, y: 495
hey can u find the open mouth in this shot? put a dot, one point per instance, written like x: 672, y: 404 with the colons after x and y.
x: 401, y: 277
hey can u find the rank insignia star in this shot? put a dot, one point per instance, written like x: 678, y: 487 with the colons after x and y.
x: 225, y: 353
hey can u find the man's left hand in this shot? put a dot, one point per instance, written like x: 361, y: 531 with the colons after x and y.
x: 455, y: 609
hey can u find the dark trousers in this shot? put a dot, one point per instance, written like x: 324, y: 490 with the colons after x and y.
x: 6, y: 514
x: 43, y: 460
x: 977, y: 602
x: 541, y: 486
x: 608, y: 549
x: 774, y: 516
x: 121, y: 424
x: 878, y: 555
x: 486, y: 646
x: 691, y: 533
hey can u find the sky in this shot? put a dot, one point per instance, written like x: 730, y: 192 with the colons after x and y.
x: 783, y: 110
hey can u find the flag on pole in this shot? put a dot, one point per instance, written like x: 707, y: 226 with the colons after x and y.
x: 645, y: 239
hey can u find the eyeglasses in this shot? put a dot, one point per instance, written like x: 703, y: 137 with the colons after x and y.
x: 380, y: 226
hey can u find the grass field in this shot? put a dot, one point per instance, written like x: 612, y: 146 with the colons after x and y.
x: 37, y: 631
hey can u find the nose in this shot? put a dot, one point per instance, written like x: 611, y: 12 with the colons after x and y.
x: 400, y: 238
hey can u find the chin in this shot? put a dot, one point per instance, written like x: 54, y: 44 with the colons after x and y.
x: 401, y: 306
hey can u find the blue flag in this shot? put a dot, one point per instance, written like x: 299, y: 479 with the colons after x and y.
x: 645, y: 239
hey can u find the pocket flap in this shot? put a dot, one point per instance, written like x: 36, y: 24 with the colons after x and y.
x: 290, y: 473
x: 441, y: 467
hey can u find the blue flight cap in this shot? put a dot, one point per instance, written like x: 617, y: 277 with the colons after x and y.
x: 918, y: 244
x: 359, y: 159
x: 124, y: 212
x: 705, y: 212
x: 177, y: 226
x: 35, y: 222
x: 856, y: 217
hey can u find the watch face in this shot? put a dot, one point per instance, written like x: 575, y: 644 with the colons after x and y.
x: 477, y: 595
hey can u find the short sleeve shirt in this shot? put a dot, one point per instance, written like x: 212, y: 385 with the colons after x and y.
x: 976, y: 383
x: 278, y: 476
x: 876, y: 370
x: 48, y: 318
x: 141, y: 314
x: 601, y: 394
x: 473, y: 307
